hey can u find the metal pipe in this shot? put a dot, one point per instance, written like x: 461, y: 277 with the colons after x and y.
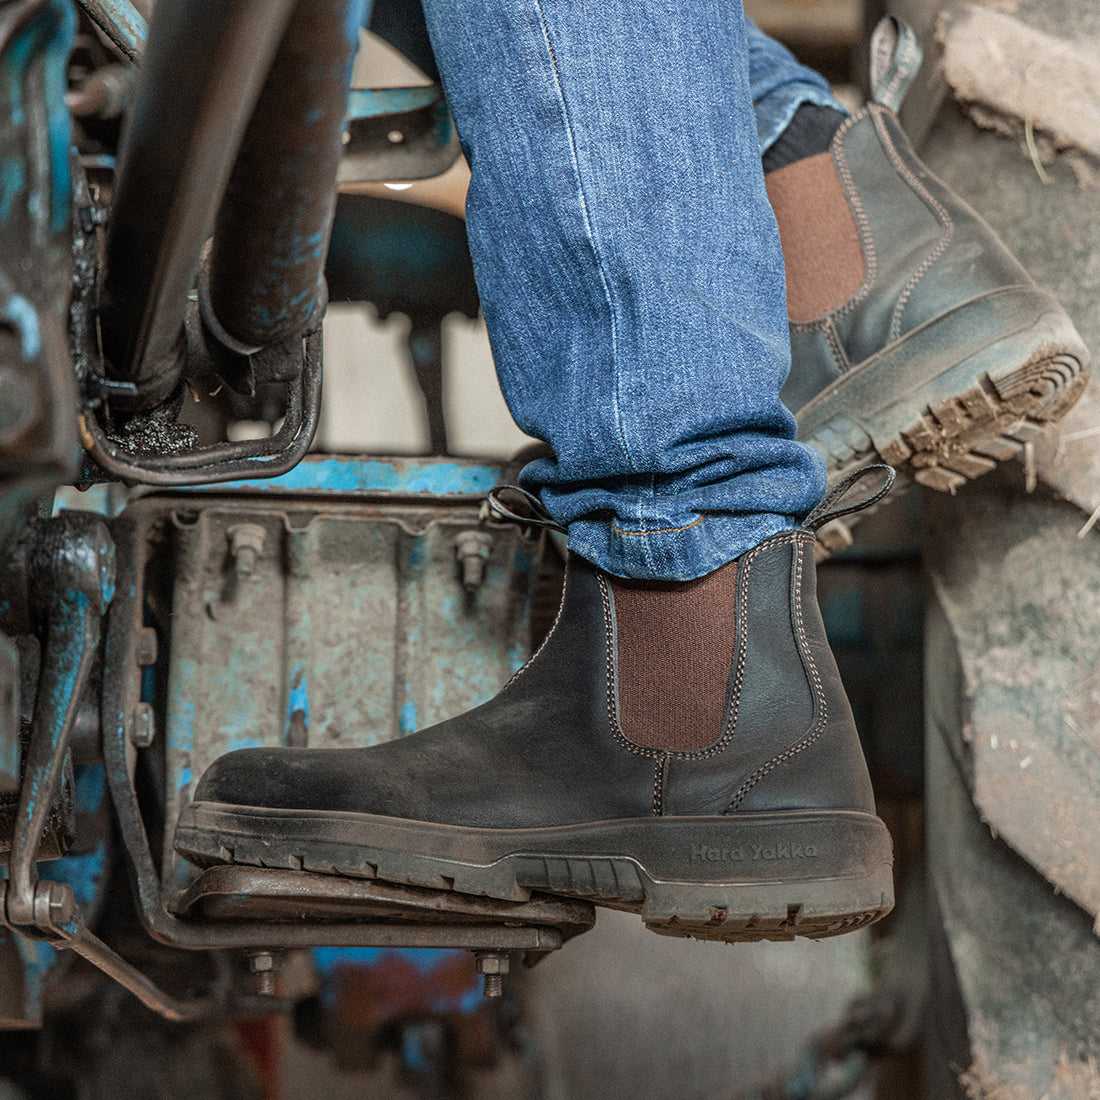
x: 121, y: 22
x: 177, y: 1009
x: 273, y: 227
x: 204, y: 65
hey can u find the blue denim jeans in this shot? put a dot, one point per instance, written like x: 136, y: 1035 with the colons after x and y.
x: 629, y: 265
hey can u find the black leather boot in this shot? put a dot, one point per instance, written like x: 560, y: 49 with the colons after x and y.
x: 916, y: 337
x: 736, y: 806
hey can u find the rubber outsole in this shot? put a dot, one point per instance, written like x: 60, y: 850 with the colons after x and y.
x: 943, y: 405
x: 728, y: 878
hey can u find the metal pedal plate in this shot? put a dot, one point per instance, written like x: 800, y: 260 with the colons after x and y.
x: 388, y: 915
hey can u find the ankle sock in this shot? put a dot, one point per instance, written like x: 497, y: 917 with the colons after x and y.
x: 809, y: 132
x: 674, y: 654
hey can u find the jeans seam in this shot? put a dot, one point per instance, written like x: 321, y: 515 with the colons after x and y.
x: 660, y: 531
x: 605, y: 282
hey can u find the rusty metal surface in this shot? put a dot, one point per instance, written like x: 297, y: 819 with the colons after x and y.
x: 398, y: 134
x: 284, y: 622
x: 121, y: 23
x: 10, y: 722
x: 155, y: 454
x: 38, y: 441
x: 247, y: 893
x: 272, y: 229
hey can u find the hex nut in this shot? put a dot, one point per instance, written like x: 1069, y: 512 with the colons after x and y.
x: 261, y: 961
x: 62, y: 903
x: 491, y: 962
x: 147, y: 647
x: 246, y: 543
x: 142, y: 726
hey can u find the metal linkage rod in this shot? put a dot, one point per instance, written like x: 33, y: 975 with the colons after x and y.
x: 273, y: 227
x: 203, y: 67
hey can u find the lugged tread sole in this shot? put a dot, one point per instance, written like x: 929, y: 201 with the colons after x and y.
x: 958, y: 422
x: 758, y: 877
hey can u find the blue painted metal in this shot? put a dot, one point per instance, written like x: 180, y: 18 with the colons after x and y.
x: 397, y: 133
x: 21, y: 315
x: 266, y: 262
x: 372, y: 102
x: 328, y: 475
x: 86, y: 873
x: 46, y: 39
x: 35, y: 262
x: 121, y: 22
x: 423, y: 960
x: 373, y: 999
x: 9, y: 717
x: 350, y: 624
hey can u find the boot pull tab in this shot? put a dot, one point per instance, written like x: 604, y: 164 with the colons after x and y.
x: 825, y: 512
x: 532, y: 513
x: 895, y: 58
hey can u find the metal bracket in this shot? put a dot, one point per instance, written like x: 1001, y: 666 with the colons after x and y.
x: 397, y: 134
x: 73, y: 578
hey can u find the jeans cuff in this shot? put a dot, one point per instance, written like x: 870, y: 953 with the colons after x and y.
x: 775, y: 110
x: 673, y: 554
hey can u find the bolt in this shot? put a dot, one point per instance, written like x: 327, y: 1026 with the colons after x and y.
x: 142, y: 726
x: 264, y: 965
x: 61, y: 902
x: 147, y: 647
x: 52, y: 906
x: 472, y: 549
x: 246, y: 543
x: 493, y: 965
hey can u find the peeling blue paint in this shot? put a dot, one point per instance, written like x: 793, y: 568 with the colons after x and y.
x: 343, y: 476
x: 13, y: 179
x: 128, y: 22
x: 407, y: 721
x: 48, y: 35
x: 372, y: 102
x: 55, y: 77
x: 37, y: 958
x: 16, y: 60
x: 298, y: 700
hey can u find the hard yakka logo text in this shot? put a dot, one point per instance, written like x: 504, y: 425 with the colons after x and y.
x: 704, y: 853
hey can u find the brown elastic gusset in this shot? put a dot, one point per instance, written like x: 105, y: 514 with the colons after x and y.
x: 675, y: 650
x: 822, y: 251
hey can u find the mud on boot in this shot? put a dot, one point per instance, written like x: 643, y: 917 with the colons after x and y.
x: 684, y: 751
x: 916, y: 337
